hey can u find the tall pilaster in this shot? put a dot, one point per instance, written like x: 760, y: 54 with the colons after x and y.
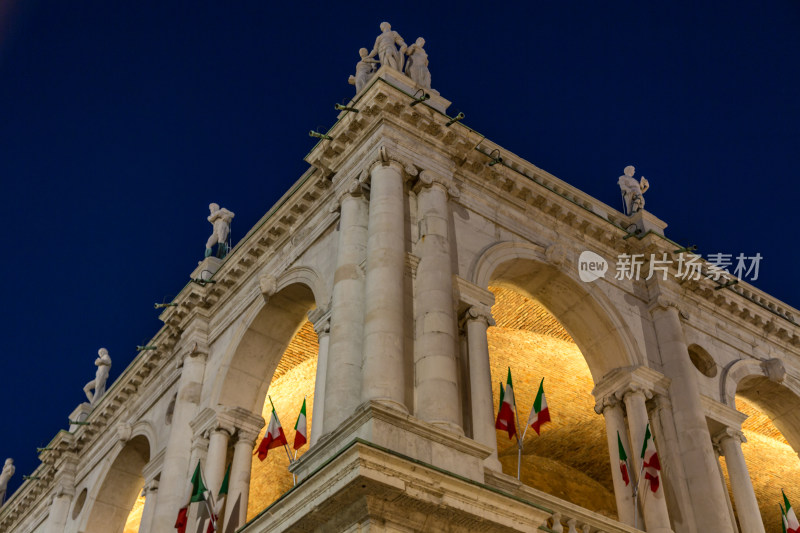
x: 176, y: 456
x: 383, y: 376
x: 345, y: 350
x: 707, y: 493
x: 322, y: 327
x: 611, y: 409
x: 744, y: 497
x: 477, y: 320
x: 654, y: 506
x: 62, y: 495
x: 435, y: 367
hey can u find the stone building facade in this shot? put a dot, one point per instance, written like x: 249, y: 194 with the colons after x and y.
x: 388, y: 245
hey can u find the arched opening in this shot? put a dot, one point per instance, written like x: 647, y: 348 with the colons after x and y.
x: 771, y: 429
x: 571, y: 334
x: 119, y: 490
x: 275, y: 357
x: 291, y: 382
x: 570, y: 458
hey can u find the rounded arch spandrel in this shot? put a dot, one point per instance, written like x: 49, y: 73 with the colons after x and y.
x: 585, y: 311
x: 261, y: 338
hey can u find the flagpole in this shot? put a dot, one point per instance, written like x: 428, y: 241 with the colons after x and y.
x: 519, y: 442
x: 285, y: 446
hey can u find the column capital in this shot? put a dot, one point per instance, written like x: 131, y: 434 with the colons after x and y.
x: 428, y: 178
x: 150, y: 487
x: 610, y: 401
x: 728, y: 433
x: 210, y: 421
x: 663, y: 302
x: 626, y: 380
x: 320, y: 318
x: 479, y: 313
x: 633, y: 389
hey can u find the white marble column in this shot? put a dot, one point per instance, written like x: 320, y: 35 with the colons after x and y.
x: 707, y: 493
x: 435, y: 366
x: 383, y: 375
x: 214, y: 470
x: 322, y: 327
x: 345, y: 349
x: 239, y: 488
x: 611, y: 409
x: 176, y: 456
x: 150, y: 496
x: 477, y: 320
x: 654, y: 506
x: 744, y: 497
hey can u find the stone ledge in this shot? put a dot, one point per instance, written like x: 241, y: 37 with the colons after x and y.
x: 402, y: 433
x: 363, y: 484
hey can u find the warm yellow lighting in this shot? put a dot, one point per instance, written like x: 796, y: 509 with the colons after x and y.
x: 135, y: 516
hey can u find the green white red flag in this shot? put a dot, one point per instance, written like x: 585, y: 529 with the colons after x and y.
x: 792, y: 525
x: 300, y: 428
x: 273, y: 438
x: 623, y: 462
x: 195, y: 492
x: 650, y: 462
x: 540, y: 414
x: 783, y: 519
x: 507, y: 416
x: 216, y: 512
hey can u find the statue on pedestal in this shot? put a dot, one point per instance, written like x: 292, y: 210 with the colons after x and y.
x: 384, y: 47
x: 103, y: 364
x: 221, y: 220
x: 417, y: 64
x: 5, y: 475
x: 632, y: 190
x: 364, y: 70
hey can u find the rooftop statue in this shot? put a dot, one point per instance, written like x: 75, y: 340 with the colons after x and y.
x: 5, y: 475
x: 364, y: 70
x: 221, y: 220
x: 384, y: 47
x: 417, y: 64
x: 632, y: 190
x: 103, y: 364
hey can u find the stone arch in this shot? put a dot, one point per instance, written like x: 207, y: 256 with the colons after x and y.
x: 113, y: 497
x: 774, y: 392
x: 587, y: 314
x: 266, y: 330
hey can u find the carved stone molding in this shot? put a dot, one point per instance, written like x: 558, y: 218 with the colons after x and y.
x: 775, y: 370
x: 556, y: 253
x: 607, y: 402
x: 320, y: 318
x: 480, y: 313
x: 631, y: 380
x: 727, y: 433
x: 662, y: 303
x: 428, y: 178
x: 268, y: 285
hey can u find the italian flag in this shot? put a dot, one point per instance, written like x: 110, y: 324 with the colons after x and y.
x: 792, y: 525
x: 273, y: 438
x: 507, y: 416
x: 539, y: 412
x: 650, y: 462
x: 217, y: 508
x: 623, y: 462
x: 196, y: 492
x: 300, y: 428
x: 783, y: 519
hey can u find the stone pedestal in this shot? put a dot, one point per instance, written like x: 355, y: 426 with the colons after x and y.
x: 207, y: 268
x: 80, y: 414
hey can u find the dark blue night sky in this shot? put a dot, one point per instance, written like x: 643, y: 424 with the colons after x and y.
x: 121, y: 121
